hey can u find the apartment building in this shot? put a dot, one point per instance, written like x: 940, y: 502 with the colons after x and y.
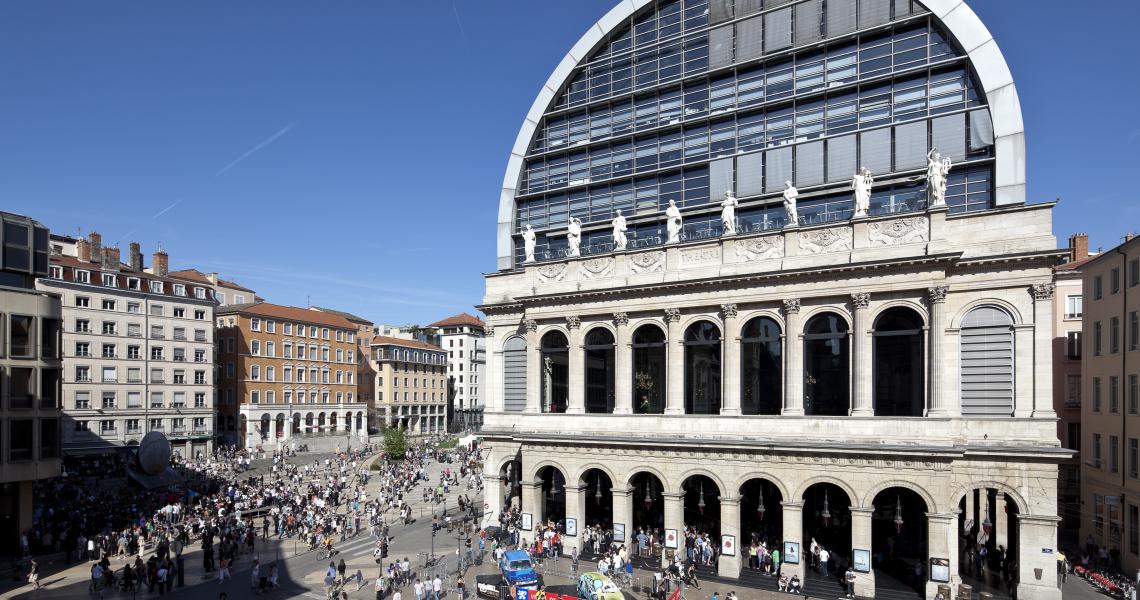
x: 411, y: 385
x: 462, y: 336
x: 286, y: 372
x: 365, y: 376
x: 1068, y: 308
x: 30, y: 369
x: 138, y: 349
x: 225, y: 292
x: 1110, y: 414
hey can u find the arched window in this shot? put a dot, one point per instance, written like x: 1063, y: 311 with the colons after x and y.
x: 987, y: 362
x: 827, y: 385
x: 599, y: 371
x: 555, y: 369
x: 899, y: 364
x: 649, y: 370
x: 702, y: 369
x: 514, y: 374
x: 760, y: 367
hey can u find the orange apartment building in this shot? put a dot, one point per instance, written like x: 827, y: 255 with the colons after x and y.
x: 1110, y: 417
x: 285, y: 373
x: 1068, y: 308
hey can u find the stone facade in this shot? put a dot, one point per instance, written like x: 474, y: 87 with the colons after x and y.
x: 943, y: 267
x: 411, y: 385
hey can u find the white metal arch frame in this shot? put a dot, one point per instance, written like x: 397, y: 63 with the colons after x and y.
x: 956, y: 16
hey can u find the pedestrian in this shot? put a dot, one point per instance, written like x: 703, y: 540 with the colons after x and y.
x: 436, y: 588
x: 849, y: 582
x: 419, y: 589
x: 340, y: 569
x: 224, y: 570
x: 379, y: 586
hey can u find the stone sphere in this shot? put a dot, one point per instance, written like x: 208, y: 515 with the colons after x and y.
x: 154, y: 453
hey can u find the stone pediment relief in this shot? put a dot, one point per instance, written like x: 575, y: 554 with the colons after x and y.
x: 597, y: 267
x: 899, y: 231
x: 647, y: 262
x: 760, y: 248
x: 820, y: 241
x: 699, y: 256
x: 552, y: 273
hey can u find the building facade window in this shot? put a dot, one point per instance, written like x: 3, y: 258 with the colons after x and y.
x: 827, y: 390
x: 600, y: 367
x: 554, y: 372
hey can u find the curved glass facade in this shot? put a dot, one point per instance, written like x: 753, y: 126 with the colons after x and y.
x: 690, y: 98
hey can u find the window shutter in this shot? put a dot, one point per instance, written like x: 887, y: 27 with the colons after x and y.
x: 950, y: 136
x: 720, y: 47
x: 841, y: 163
x: 749, y: 39
x: 808, y: 22
x: 809, y: 164
x: 910, y: 146
x: 720, y: 11
x: 514, y: 375
x: 875, y: 150
x: 987, y: 363
x: 840, y: 17
x: 874, y: 12
x: 750, y: 178
x: 778, y: 29
x: 777, y: 168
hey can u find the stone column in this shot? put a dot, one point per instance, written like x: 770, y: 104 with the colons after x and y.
x: 861, y: 540
x: 793, y: 516
x: 793, y: 360
x: 575, y: 508
x: 942, y: 541
x: 623, y: 367
x: 730, y: 361
x: 860, y: 356
x: 729, y: 566
x: 531, y: 503
x: 494, y: 494
x: 936, y: 404
x: 577, y: 366
x: 1037, y: 570
x: 1043, y: 351
x: 674, y: 519
x: 674, y: 364
x: 533, y: 368
x: 623, y: 512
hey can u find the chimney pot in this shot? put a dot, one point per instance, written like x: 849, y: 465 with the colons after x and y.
x: 83, y: 250
x: 96, y: 246
x: 136, y: 260
x: 161, y: 264
x: 1078, y: 246
x: 111, y: 258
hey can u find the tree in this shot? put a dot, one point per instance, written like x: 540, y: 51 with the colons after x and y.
x: 395, y: 443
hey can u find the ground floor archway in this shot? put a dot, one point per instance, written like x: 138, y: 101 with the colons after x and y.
x: 899, y: 542
x: 553, y: 490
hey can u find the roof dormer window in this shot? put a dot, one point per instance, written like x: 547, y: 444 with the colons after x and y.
x: 110, y: 280
x: 133, y: 283
x: 156, y: 287
x: 83, y: 276
x: 179, y: 290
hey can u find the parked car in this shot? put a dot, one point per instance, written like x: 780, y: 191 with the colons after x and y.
x: 518, y: 570
x: 595, y: 586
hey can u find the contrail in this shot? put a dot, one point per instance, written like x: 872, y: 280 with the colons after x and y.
x: 163, y: 211
x: 272, y: 138
x: 459, y: 22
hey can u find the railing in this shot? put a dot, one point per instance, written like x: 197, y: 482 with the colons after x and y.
x: 180, y: 336
x: 134, y: 333
x: 157, y: 336
x: 134, y: 380
x: 199, y: 338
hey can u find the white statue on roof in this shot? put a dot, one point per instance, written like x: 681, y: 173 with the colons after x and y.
x: 937, y: 170
x: 728, y: 213
x: 528, y: 243
x: 673, y: 224
x: 790, y: 195
x: 862, y: 183
x: 574, y: 237
x: 620, y: 240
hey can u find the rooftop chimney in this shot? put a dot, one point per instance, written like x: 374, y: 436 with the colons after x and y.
x: 1128, y: 237
x: 1078, y: 246
x: 96, y: 246
x: 213, y: 277
x: 161, y: 264
x: 111, y: 258
x: 136, y: 256
x: 83, y: 250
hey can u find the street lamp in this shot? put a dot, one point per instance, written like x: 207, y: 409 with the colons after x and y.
x: 760, y: 509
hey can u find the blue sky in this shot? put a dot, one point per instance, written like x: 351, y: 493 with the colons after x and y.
x: 349, y: 154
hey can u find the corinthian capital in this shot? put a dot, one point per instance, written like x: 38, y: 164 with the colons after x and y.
x: 792, y: 305
x: 672, y: 315
x: 531, y: 325
x: 728, y: 311
x: 860, y: 300
x: 1042, y: 291
x: 937, y: 294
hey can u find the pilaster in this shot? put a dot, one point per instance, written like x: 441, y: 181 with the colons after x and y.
x: 532, y: 503
x: 674, y: 364
x: 793, y: 361
x: 861, y: 540
x: 623, y: 367
x: 1043, y: 350
x: 861, y: 357
x: 576, y: 403
x: 936, y: 297
x: 729, y: 566
x: 1037, y: 568
x: 793, y: 515
x: 674, y: 519
x: 576, y: 508
x: 623, y: 512
x: 730, y: 359
x: 942, y: 541
x: 533, y: 367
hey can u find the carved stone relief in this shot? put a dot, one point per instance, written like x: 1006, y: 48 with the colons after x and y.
x: 596, y: 268
x: 647, y: 262
x: 899, y: 231
x: 833, y: 239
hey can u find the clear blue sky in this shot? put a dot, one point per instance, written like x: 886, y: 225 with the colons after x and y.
x: 375, y: 134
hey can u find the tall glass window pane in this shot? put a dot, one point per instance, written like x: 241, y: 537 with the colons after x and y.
x: 827, y: 389
x: 702, y: 369
x: 649, y: 370
x: 760, y: 367
x: 554, y: 369
x: 599, y: 371
x: 898, y: 364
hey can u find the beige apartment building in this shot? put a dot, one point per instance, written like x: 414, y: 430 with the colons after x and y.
x: 287, y: 372
x: 463, y: 338
x: 224, y: 291
x: 1110, y: 417
x: 365, y: 376
x: 29, y: 374
x: 138, y: 349
x: 411, y: 385
x: 1068, y: 302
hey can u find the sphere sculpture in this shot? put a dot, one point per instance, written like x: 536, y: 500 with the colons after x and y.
x: 154, y: 453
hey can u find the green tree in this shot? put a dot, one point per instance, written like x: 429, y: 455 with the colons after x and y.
x: 395, y: 443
